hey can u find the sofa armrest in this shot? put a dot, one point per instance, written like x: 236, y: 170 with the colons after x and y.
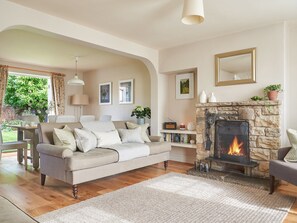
x: 282, y: 152
x: 52, y: 150
x: 156, y: 138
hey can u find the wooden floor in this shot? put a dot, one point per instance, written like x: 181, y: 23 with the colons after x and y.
x: 23, y: 187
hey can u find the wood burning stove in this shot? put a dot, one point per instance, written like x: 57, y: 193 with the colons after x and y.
x: 232, y: 141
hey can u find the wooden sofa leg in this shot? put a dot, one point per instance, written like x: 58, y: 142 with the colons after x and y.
x: 42, y: 179
x: 74, y: 191
x: 271, y: 183
x: 165, y: 164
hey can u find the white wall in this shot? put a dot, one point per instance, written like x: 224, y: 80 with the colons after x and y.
x: 270, y: 68
x: 142, y: 89
x: 179, y: 110
x: 69, y: 90
x: 290, y: 90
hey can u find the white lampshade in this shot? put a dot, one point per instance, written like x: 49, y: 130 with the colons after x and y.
x: 80, y: 99
x: 193, y: 12
x: 75, y: 81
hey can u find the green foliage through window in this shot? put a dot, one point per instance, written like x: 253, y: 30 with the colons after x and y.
x: 27, y: 94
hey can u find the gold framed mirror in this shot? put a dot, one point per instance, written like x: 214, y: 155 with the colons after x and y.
x: 236, y: 67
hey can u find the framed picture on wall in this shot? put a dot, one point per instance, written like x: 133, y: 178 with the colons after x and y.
x: 126, y: 91
x: 105, y: 93
x: 184, y: 86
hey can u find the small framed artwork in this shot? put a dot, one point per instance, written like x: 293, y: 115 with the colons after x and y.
x: 184, y: 86
x: 105, y: 93
x: 126, y: 91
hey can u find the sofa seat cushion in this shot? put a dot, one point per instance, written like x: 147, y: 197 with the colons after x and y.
x: 93, y: 158
x: 158, y: 147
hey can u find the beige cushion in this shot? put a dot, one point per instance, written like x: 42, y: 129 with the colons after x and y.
x: 93, y: 158
x: 292, y: 154
x: 85, y: 140
x: 144, y: 127
x: 131, y: 135
x: 105, y: 139
x: 158, y: 147
x: 64, y: 137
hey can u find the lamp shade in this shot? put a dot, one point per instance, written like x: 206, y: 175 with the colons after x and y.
x: 80, y: 99
x: 75, y: 81
x: 193, y: 12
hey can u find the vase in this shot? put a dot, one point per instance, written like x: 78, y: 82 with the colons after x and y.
x: 203, y: 97
x: 212, y: 98
x: 272, y: 95
x: 140, y: 121
x: 191, y: 126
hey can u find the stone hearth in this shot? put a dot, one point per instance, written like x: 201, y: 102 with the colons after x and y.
x: 264, y: 132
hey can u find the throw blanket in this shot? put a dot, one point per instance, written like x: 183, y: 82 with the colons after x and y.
x: 128, y: 151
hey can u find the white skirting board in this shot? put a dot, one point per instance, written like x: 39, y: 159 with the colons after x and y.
x: 186, y: 155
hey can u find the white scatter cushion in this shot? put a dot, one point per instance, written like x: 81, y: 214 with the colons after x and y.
x: 131, y: 135
x: 292, y: 154
x: 85, y: 140
x: 143, y: 127
x: 64, y: 137
x: 98, y: 126
x: 105, y: 139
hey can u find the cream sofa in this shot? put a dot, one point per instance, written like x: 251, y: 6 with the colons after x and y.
x: 78, y: 167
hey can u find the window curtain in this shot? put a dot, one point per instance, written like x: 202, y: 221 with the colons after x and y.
x: 3, y: 83
x: 58, y: 93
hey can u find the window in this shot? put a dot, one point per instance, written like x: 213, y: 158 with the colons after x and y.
x: 28, y: 94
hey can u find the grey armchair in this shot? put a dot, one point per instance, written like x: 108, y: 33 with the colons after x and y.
x: 282, y: 170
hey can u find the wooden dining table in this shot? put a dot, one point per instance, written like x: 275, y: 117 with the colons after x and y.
x: 20, y: 137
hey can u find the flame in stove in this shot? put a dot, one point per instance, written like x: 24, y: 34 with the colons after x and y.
x: 236, y: 149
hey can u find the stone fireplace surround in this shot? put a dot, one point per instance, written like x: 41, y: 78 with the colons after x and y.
x: 264, y: 135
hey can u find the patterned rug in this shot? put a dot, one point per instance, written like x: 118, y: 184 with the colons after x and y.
x: 177, y: 198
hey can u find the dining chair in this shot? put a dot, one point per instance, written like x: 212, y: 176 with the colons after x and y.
x: 20, y: 145
x: 105, y: 118
x: 28, y: 135
x: 87, y: 118
x: 52, y: 118
x: 65, y: 118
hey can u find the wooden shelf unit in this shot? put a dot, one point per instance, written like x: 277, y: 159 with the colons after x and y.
x: 184, y: 137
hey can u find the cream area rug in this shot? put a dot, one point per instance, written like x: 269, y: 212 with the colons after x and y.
x: 177, y: 198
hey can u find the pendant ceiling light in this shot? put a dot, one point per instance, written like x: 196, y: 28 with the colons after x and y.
x: 193, y: 12
x: 75, y: 80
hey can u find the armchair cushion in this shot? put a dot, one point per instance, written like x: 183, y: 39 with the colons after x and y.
x: 292, y: 154
x: 52, y: 150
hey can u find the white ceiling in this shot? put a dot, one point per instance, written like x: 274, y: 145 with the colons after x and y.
x: 37, y: 49
x: 153, y: 23
x: 157, y: 23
